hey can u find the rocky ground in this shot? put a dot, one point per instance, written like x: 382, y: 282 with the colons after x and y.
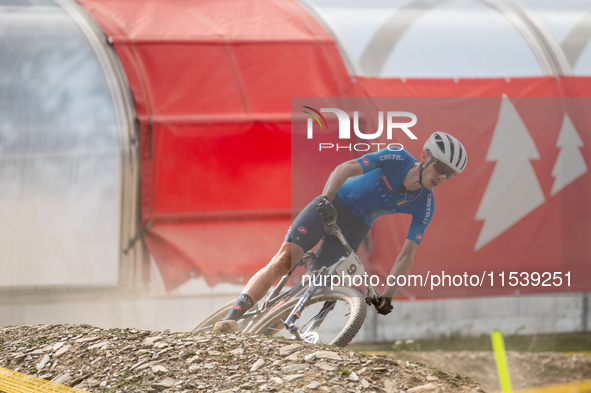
x: 130, y: 360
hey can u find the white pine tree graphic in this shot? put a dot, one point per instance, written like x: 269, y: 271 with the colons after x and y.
x: 513, y: 190
x: 570, y: 163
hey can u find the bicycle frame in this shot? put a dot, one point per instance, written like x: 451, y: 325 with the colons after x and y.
x: 274, y: 297
x: 330, y: 229
x: 348, y: 265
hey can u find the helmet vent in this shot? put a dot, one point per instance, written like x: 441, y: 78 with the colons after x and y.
x: 440, y: 143
x: 451, y: 146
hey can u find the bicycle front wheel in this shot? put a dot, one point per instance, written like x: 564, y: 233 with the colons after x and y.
x: 331, y: 317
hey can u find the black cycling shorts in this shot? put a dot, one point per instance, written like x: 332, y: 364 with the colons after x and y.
x: 308, y: 229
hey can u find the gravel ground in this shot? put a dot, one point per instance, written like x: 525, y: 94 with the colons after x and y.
x: 131, y: 360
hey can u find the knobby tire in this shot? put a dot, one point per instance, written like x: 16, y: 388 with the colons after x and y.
x: 348, y: 316
x: 215, y: 316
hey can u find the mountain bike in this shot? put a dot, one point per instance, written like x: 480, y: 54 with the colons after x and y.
x: 317, y: 312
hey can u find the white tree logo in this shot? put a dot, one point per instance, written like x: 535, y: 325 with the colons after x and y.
x: 570, y: 163
x: 513, y: 190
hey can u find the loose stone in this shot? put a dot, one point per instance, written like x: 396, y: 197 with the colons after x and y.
x: 258, y: 364
x: 328, y: 355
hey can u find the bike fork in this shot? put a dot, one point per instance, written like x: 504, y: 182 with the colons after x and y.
x: 318, y: 319
x: 299, y: 307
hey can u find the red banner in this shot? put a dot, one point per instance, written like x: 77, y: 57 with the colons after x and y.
x: 521, y: 206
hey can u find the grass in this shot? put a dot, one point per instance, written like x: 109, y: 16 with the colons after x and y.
x: 39, y: 340
x: 456, y: 341
x: 345, y: 371
x: 128, y: 381
x: 441, y: 375
x: 326, y: 346
x: 353, y: 348
x: 119, y: 332
x: 454, y: 379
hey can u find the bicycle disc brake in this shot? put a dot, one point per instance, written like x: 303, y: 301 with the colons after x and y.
x: 311, y: 337
x: 308, y: 337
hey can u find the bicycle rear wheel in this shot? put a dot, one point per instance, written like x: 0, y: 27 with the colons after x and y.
x: 215, y: 316
x: 331, y: 317
x: 244, y: 323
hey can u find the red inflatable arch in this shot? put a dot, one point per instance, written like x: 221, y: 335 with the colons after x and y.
x: 213, y: 82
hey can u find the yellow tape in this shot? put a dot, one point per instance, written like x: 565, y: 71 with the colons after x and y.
x: 13, y: 382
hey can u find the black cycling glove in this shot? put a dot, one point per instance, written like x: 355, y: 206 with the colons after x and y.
x: 382, y: 304
x: 328, y: 213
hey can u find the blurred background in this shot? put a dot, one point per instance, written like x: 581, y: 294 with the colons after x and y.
x: 146, y: 152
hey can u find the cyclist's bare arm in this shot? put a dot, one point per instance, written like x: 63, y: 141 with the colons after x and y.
x: 401, y: 265
x: 340, y: 175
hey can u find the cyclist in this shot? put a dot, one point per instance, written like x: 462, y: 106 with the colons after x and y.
x: 358, y: 192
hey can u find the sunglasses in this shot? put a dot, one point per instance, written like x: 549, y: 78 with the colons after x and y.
x: 442, y: 169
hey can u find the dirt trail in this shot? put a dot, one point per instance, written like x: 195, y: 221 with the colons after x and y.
x: 527, y: 369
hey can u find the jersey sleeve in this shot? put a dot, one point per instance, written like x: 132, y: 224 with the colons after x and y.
x: 420, y: 219
x: 368, y: 162
x: 371, y: 161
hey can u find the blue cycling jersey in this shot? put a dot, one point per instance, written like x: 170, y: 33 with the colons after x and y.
x: 373, y: 194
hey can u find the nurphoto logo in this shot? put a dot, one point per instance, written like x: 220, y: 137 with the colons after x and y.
x: 392, y: 123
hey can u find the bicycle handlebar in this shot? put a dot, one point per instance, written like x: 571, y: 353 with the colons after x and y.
x: 333, y: 229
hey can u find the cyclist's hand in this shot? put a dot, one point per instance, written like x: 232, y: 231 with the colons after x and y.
x: 328, y: 213
x: 383, y: 304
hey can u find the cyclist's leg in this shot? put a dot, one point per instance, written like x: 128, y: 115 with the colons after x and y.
x: 331, y: 249
x: 305, y: 232
x: 260, y: 283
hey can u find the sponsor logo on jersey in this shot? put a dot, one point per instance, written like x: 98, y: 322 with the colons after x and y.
x: 302, y: 230
x: 428, y: 211
x: 237, y: 307
x: 387, y: 183
x: 365, y: 162
x: 419, y: 237
x: 397, y: 157
x: 401, y: 202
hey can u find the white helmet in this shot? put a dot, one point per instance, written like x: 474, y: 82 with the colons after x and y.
x: 448, y: 150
